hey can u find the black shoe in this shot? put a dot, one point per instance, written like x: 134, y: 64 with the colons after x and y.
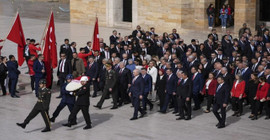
x: 99, y: 107
x: 74, y: 123
x: 22, y: 125
x: 217, y: 124
x: 120, y: 104
x: 16, y: 96
x: 267, y: 118
x: 67, y: 124
x: 142, y: 115
x: 151, y: 107
x: 94, y: 96
x: 174, y: 112
x: 52, y: 119
x: 188, y: 118
x: 17, y: 91
x: 196, y: 108
x: 250, y: 116
x: 177, y: 114
x: 87, y: 127
x: 115, y: 107
x: 12, y: 96
x: 126, y: 103
x: 180, y: 118
x: 58, y: 97
x: 133, y: 118
x: 254, y: 118
x: 220, y: 126
x: 46, y: 130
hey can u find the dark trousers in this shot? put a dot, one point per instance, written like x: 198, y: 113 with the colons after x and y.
x: 259, y: 107
x: 95, y: 86
x: 32, y: 78
x: 122, y: 92
x: 166, y: 102
x: 210, y: 100
x: 146, y: 101
x: 85, y: 111
x: 37, y: 79
x: 184, y: 107
x: 175, y: 103
x: 13, y: 83
x: 60, y: 107
x: 221, y: 118
x: 3, y: 87
x: 62, y: 78
x: 137, y: 107
x: 161, y: 96
x: 105, y: 94
x: 196, y: 99
x: 34, y: 113
x: 237, y: 105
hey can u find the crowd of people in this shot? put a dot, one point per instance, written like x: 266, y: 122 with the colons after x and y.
x: 145, y: 69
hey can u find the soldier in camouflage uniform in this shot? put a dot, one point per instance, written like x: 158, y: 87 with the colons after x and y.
x: 42, y: 106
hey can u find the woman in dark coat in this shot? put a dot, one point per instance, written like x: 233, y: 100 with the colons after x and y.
x: 3, y: 74
x: 161, y: 86
x: 251, y: 92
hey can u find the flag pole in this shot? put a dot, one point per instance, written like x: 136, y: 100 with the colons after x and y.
x: 14, y: 18
x: 44, y: 33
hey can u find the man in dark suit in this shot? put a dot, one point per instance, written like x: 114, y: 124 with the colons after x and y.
x: 64, y: 68
x: 110, y: 87
x: 246, y: 72
x: 13, y: 75
x: 88, y: 47
x: 124, y: 82
x: 184, y: 93
x: 114, y: 37
x: 228, y: 78
x: 101, y: 75
x: 136, y: 93
x: 266, y: 38
x: 221, y: 102
x: 175, y: 34
x: 197, y: 82
x: 170, y: 89
x: 92, y: 72
x: 26, y: 53
x: 64, y: 47
x: 40, y: 73
x: 82, y: 103
x: 147, y: 89
x: 193, y: 46
x: 138, y: 30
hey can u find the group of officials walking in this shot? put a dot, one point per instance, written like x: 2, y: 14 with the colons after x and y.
x: 145, y: 67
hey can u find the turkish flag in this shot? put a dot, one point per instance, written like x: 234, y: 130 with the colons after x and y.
x: 96, y: 46
x: 16, y: 35
x: 50, y: 50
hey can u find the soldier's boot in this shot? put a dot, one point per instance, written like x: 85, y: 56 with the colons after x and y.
x: 47, y: 129
x: 22, y: 125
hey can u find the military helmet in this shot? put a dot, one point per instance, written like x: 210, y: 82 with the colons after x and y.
x: 69, y: 76
x: 42, y: 81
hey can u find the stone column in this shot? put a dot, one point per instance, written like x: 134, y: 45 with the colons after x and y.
x: 200, y: 15
x: 245, y: 12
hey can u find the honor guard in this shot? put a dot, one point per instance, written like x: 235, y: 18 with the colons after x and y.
x: 42, y: 106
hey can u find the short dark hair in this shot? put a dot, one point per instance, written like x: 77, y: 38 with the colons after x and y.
x: 10, y: 56
x: 66, y: 40
x: 32, y: 40
x: 72, y: 43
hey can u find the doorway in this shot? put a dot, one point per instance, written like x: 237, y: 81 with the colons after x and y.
x: 218, y: 6
x: 127, y: 10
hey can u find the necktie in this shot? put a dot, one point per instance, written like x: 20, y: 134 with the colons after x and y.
x: 218, y: 88
x: 90, y: 65
x: 61, y: 68
x: 179, y: 81
x: 121, y: 71
x: 193, y: 77
x: 133, y: 80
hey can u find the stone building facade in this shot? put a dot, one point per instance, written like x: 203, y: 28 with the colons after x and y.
x: 161, y: 14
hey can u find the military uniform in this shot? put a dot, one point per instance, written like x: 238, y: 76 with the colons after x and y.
x: 110, y: 82
x: 42, y: 106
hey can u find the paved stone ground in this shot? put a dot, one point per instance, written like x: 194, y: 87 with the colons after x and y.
x: 107, y: 124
